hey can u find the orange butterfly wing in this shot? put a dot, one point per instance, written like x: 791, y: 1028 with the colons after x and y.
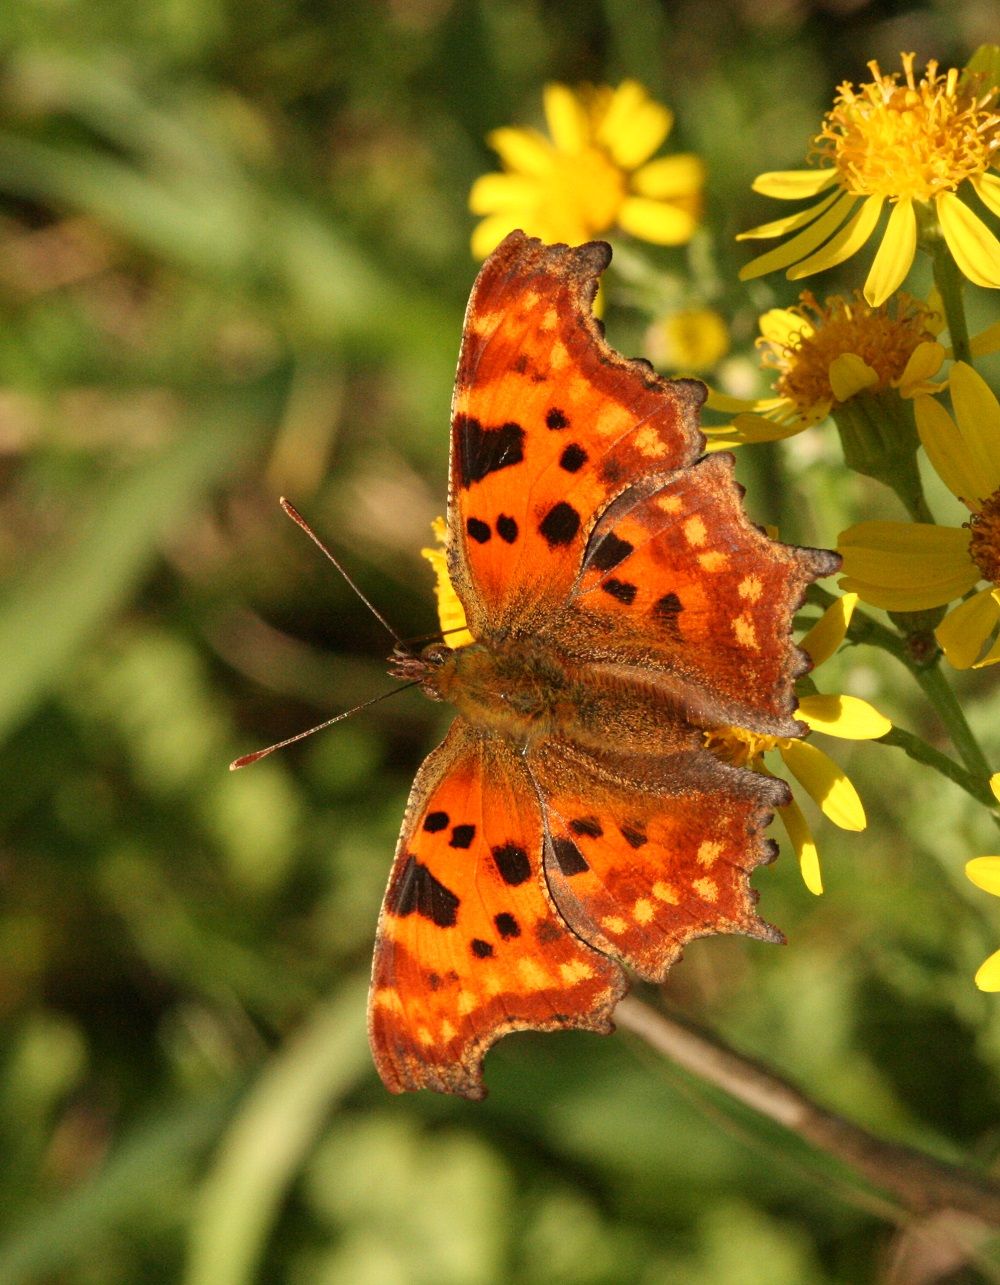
x: 549, y: 424
x: 687, y: 585
x: 469, y: 946
x: 581, y: 520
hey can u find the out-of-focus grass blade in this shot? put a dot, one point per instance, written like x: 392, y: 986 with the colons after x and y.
x: 162, y: 1152
x: 264, y: 1148
x: 243, y: 232
x: 51, y: 612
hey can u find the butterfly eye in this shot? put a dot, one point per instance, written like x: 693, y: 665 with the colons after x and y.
x: 435, y: 654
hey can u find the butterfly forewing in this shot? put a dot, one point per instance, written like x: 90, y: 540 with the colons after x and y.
x: 548, y: 424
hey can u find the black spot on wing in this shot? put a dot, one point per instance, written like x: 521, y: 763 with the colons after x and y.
x: 462, y: 836
x: 560, y: 524
x: 568, y: 855
x: 483, y: 450
x: 620, y: 590
x: 573, y: 458
x: 589, y: 826
x: 555, y: 419
x: 634, y: 835
x: 416, y: 891
x: 507, y: 925
x: 478, y: 530
x: 666, y: 610
x: 512, y: 863
x: 610, y: 552
x: 506, y: 528
x: 435, y: 821
x: 481, y: 949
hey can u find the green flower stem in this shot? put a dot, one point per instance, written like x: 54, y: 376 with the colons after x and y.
x: 939, y: 691
x: 949, y: 282
x: 865, y: 629
x: 921, y: 752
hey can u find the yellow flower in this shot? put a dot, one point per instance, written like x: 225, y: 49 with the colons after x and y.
x: 591, y: 174
x: 843, y: 716
x: 917, y: 566
x: 690, y: 340
x: 451, y: 613
x: 911, y: 145
x: 985, y: 873
x: 825, y: 354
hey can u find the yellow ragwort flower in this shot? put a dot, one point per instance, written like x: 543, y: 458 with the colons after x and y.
x: 911, y: 145
x: 825, y: 354
x: 689, y: 341
x: 827, y: 785
x: 985, y: 873
x: 591, y: 174
x: 917, y: 566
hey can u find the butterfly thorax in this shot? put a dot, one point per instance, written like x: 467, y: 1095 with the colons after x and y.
x: 529, y: 689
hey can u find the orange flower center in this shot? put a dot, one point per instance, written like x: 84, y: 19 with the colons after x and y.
x: 910, y: 140
x: 884, y: 338
x: 984, y: 544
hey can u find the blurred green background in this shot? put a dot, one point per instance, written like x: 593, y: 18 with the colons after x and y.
x: 233, y: 264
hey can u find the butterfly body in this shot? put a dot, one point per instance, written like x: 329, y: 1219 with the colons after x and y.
x: 621, y: 604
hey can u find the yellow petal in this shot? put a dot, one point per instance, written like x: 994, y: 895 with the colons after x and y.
x: 993, y: 655
x: 995, y: 785
x: 797, y: 829
x: 848, y: 717
x: 656, y: 222
x: 826, y: 783
x: 964, y: 630
x: 973, y: 246
x: 988, y: 976
x: 803, y: 244
x: 759, y: 428
x: 829, y: 631
x: 987, y: 188
x: 986, y: 341
x: 907, y: 566
x: 790, y: 223
x: 894, y: 256
x: 781, y: 326
x: 728, y: 405
x: 846, y: 242
x: 978, y: 413
x: 491, y: 193
x: 850, y: 375
x: 634, y: 125
x: 488, y: 234
x: 670, y: 177
x: 954, y: 463
x: 451, y: 614
x: 793, y: 185
x: 985, y: 873
x: 525, y: 151
x: 923, y: 362
x: 566, y: 117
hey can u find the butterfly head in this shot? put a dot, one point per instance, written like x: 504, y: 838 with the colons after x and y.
x: 432, y: 668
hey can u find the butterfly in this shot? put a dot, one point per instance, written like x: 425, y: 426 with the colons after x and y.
x: 572, y: 824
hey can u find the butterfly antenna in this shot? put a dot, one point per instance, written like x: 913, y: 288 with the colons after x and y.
x: 299, y: 520
x: 246, y: 759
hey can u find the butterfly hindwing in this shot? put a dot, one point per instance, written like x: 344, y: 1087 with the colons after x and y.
x: 642, y: 857
x: 469, y: 947
x: 687, y: 585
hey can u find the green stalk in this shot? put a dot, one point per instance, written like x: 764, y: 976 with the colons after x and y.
x: 918, y: 750
x: 950, y: 284
x: 939, y: 692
